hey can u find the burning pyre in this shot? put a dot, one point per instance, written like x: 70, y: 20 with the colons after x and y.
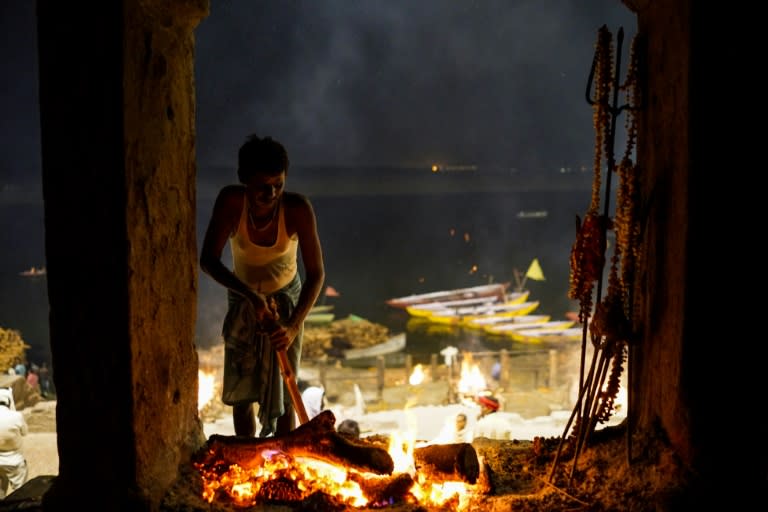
x: 314, y: 462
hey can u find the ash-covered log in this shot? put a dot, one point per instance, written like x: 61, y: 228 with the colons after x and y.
x: 448, y: 462
x: 316, y: 439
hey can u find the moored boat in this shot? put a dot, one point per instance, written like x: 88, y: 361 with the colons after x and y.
x: 464, y: 317
x: 483, y: 322
x: 466, y: 306
x: 392, y: 345
x: 487, y: 290
x: 509, y: 327
x: 321, y: 308
x: 319, y: 318
x: 569, y: 335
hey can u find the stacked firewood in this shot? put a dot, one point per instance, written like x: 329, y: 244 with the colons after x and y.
x: 12, y: 349
x: 330, y: 341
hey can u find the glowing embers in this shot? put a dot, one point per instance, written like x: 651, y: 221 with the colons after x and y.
x: 315, y: 463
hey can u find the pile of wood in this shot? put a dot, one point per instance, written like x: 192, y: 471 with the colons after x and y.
x: 318, y: 440
x: 12, y: 349
x: 329, y: 341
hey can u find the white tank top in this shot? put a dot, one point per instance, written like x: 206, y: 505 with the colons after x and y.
x: 264, y: 269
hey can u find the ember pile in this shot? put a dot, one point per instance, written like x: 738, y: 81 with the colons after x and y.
x: 315, y: 463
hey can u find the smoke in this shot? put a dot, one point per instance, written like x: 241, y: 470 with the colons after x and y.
x: 401, y: 82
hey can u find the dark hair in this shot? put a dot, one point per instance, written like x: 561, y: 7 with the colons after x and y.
x: 260, y: 156
x: 349, y: 428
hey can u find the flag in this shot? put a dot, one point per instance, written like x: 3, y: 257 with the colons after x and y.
x: 534, y: 271
x: 330, y: 291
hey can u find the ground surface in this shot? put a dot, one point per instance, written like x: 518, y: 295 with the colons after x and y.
x: 519, y: 463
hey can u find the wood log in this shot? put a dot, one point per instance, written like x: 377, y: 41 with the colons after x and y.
x: 447, y: 462
x: 315, y: 439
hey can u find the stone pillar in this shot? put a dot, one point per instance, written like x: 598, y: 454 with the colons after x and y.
x: 117, y: 127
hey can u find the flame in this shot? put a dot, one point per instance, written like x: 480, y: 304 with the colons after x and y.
x: 307, y: 476
x: 206, y: 388
x: 472, y: 380
x: 417, y: 375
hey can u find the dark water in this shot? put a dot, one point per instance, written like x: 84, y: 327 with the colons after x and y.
x: 375, y: 248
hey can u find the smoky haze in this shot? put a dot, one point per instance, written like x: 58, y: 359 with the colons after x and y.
x: 400, y: 82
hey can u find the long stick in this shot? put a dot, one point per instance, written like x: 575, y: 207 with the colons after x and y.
x: 289, y: 377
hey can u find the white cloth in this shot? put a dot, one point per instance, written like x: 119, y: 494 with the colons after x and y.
x: 313, y: 400
x: 450, y: 434
x: 13, y: 466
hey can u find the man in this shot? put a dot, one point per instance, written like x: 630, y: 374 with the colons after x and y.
x: 13, y: 429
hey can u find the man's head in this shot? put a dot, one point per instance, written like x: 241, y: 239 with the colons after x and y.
x: 461, y: 421
x: 261, y: 156
x: 488, y: 404
x: 349, y: 428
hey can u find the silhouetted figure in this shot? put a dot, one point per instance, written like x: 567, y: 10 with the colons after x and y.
x: 266, y: 228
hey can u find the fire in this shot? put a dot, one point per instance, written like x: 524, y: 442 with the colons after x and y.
x: 283, y: 477
x: 417, y: 375
x: 206, y: 388
x: 472, y: 380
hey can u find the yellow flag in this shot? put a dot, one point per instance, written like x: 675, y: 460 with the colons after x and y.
x: 534, y: 271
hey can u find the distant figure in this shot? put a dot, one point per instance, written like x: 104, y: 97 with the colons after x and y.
x: 267, y: 228
x: 349, y: 428
x: 489, y: 424
x: 45, y: 380
x: 496, y: 371
x: 488, y: 405
x: 454, y: 431
x: 20, y: 369
x: 13, y: 429
x: 314, y: 400
x: 33, y: 380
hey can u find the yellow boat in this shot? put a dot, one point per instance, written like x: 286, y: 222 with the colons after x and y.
x: 483, y: 322
x: 569, y: 335
x: 511, y: 327
x: 449, y: 317
x: 474, y: 305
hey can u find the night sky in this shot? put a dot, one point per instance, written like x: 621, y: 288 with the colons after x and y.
x: 341, y: 82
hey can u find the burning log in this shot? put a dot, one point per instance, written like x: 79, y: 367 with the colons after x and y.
x: 315, y: 439
x: 448, y: 462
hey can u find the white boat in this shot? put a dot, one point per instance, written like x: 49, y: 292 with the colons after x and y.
x: 510, y: 327
x: 486, y: 321
x: 464, y: 316
x: 393, y: 344
x: 467, y: 306
x: 485, y: 290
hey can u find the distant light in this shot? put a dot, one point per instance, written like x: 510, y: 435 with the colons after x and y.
x: 435, y: 168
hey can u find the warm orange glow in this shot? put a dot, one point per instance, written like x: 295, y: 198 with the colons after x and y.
x: 417, y: 375
x: 472, y: 380
x: 206, y: 388
x: 309, y: 476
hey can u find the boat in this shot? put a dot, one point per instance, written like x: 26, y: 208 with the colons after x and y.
x: 319, y: 318
x: 393, y: 344
x: 474, y: 304
x: 487, y: 290
x: 464, y: 317
x: 569, y: 335
x: 483, y: 322
x: 321, y: 308
x: 33, y: 272
x: 510, y: 327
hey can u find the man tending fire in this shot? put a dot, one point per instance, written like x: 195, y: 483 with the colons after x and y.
x: 265, y: 226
